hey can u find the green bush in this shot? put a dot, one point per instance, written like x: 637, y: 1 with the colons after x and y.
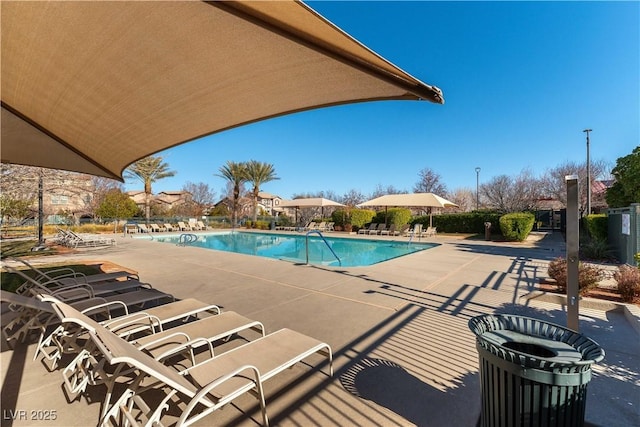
x: 588, y: 276
x: 637, y: 258
x: 397, y: 216
x: 596, y: 249
x: 516, y: 226
x: 628, y: 279
x: 461, y: 222
x: 340, y: 217
x: 596, y: 225
x: 360, y: 217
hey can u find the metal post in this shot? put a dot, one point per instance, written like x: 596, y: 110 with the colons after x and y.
x: 588, y: 211
x: 572, y: 252
x: 477, y: 188
x: 41, y: 208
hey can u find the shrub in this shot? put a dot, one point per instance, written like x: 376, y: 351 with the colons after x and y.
x: 360, y: 217
x: 588, y: 276
x: 461, y: 222
x: 637, y: 258
x: 340, y: 217
x: 596, y: 249
x: 628, y: 279
x: 597, y: 226
x: 516, y: 226
x: 397, y: 216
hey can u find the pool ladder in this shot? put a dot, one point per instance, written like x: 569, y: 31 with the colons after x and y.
x: 186, y: 238
x: 325, y: 242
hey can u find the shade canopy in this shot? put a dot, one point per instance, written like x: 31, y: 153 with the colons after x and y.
x: 312, y: 202
x: 94, y: 86
x: 417, y: 200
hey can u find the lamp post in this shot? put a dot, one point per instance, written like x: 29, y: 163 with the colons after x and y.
x: 477, y: 188
x: 588, y: 211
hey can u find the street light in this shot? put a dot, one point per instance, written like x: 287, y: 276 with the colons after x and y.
x: 588, y: 174
x: 477, y: 187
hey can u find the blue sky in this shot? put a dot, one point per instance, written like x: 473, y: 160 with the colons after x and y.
x: 521, y: 81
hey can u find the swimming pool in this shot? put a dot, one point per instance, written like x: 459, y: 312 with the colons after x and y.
x: 292, y: 247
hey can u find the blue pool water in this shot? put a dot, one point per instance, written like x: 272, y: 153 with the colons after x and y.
x: 291, y: 247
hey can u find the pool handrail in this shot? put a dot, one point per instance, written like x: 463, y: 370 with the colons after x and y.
x: 306, y: 243
x: 186, y: 238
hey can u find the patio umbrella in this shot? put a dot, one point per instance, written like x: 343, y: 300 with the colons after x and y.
x: 415, y: 200
x: 310, y: 202
x: 94, y: 86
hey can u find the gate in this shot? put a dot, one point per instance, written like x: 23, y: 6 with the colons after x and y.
x: 623, y: 225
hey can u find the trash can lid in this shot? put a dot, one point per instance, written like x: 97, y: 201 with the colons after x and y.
x: 534, y: 345
x: 534, y: 341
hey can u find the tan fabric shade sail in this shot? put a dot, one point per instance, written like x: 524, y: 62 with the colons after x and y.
x: 411, y: 200
x: 416, y: 200
x: 311, y: 202
x: 94, y: 86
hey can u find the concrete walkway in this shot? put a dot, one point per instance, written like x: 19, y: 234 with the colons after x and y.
x: 403, y: 352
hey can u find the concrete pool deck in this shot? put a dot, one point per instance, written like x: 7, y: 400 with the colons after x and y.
x: 403, y: 352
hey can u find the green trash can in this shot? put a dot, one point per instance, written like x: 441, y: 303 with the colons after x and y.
x: 532, y: 373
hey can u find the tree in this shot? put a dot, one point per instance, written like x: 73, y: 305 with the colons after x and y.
x: 236, y: 175
x: 65, y: 192
x: 101, y: 186
x: 352, y: 198
x: 16, y: 209
x: 382, y: 191
x: 258, y: 173
x: 430, y: 182
x: 511, y: 194
x: 116, y: 205
x: 554, y: 185
x: 626, y: 188
x: 149, y: 170
x: 464, y: 198
x: 201, y: 196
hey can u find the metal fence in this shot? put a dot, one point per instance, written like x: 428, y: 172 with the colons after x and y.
x: 624, y: 232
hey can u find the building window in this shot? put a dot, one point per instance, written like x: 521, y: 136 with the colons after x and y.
x: 57, y: 199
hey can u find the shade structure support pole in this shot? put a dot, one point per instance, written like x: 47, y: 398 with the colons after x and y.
x: 572, y: 252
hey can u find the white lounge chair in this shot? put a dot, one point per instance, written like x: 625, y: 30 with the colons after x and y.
x: 205, y: 387
x: 391, y: 231
x: 372, y: 226
x: 379, y: 229
x: 183, y: 227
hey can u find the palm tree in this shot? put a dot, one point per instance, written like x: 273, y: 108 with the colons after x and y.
x: 259, y: 173
x: 236, y: 174
x: 149, y: 170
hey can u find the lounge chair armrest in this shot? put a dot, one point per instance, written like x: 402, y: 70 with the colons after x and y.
x: 189, y: 345
x: 201, y: 397
x: 109, y: 323
x: 165, y: 338
x: 135, y: 324
x: 107, y: 306
x: 74, y: 293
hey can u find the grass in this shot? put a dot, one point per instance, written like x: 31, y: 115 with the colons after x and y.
x: 18, y: 248
x: 11, y: 281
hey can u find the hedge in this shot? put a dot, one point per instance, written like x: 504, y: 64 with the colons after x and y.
x: 597, y: 227
x: 397, y: 216
x: 461, y: 222
x: 356, y: 217
x: 517, y: 226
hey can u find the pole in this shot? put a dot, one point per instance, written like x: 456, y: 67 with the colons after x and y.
x: 588, y: 211
x: 41, y: 208
x: 572, y: 252
x: 477, y: 188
